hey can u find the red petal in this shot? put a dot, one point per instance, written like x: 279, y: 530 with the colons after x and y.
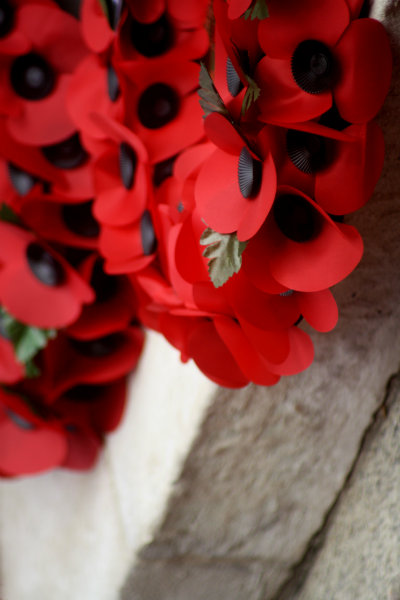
x: 222, y: 133
x: 281, y: 99
x: 250, y: 362
x: 319, y: 309
x: 301, y: 353
x: 237, y: 8
x: 347, y: 183
x: 366, y: 67
x: 95, y: 28
x: 213, y: 358
x: 298, y: 21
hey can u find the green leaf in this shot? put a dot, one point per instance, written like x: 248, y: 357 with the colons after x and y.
x: 258, y: 10
x: 210, y: 100
x: 8, y: 215
x: 104, y: 8
x: 26, y: 340
x: 252, y: 94
x: 224, y: 252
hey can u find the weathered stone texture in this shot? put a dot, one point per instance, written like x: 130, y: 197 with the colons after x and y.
x: 268, y: 463
x: 360, y: 557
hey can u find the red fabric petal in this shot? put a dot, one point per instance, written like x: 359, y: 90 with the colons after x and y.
x: 319, y: 309
x: 250, y: 362
x: 281, y: 99
x: 11, y: 370
x: 213, y: 358
x: 95, y: 28
x: 298, y: 21
x: 223, y: 134
x: 82, y: 450
x: 301, y: 353
x: 346, y: 184
x: 146, y: 12
x: 237, y: 8
x: 366, y: 67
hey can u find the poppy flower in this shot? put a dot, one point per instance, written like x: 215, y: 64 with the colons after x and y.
x: 96, y: 29
x: 236, y: 186
x: 73, y: 361
x: 28, y: 443
x: 300, y: 246
x: 321, y: 57
x: 174, y: 33
x: 164, y: 111
x: 191, y: 14
x: 67, y: 224
x: 338, y: 168
x: 30, y: 269
x: 95, y: 84
x: 121, y: 176
x: 114, y: 307
x: 34, y: 84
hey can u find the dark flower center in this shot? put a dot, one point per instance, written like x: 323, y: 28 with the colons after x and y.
x: 333, y: 119
x: 149, y: 240
x: 127, y: 165
x: 233, y: 80
x: 113, y: 88
x: 249, y: 174
x: 99, y: 347
x: 312, y: 66
x: 85, y: 393
x: 104, y: 285
x: 307, y: 151
x: 158, y: 105
x: 32, y: 77
x: 19, y: 420
x: 79, y: 219
x: 44, y: 266
x: 6, y: 18
x: 296, y: 218
x: 68, y: 154
x: 163, y: 170
x: 21, y: 181
x: 152, y: 39
x: 114, y: 9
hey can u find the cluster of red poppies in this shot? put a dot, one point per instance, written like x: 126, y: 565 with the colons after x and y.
x: 130, y: 196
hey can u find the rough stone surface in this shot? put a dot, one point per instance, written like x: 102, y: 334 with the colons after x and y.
x: 269, y: 463
x: 360, y: 557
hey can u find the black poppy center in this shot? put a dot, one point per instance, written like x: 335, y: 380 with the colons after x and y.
x: 296, y: 218
x: 158, y: 105
x: 44, y: 266
x: 105, y: 286
x: 249, y: 174
x: 21, y: 181
x: 99, y: 347
x: 68, y: 154
x: 32, y: 77
x: 233, y: 80
x: 152, y: 39
x: 333, y: 119
x: 6, y: 18
x: 312, y: 66
x: 114, y: 9
x: 79, y: 219
x: 85, y: 393
x: 113, y: 88
x: 127, y: 165
x: 149, y: 240
x: 307, y: 151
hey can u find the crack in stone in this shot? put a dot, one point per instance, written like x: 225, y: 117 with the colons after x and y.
x: 301, y: 570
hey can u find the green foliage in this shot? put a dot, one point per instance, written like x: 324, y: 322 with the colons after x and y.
x: 251, y: 95
x: 210, y: 100
x: 258, y: 10
x: 224, y: 252
x: 26, y: 340
x: 8, y: 215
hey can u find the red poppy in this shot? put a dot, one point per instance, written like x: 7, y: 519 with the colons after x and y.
x: 30, y: 269
x: 114, y: 307
x: 34, y: 84
x: 121, y: 176
x: 28, y: 443
x: 164, y: 110
x: 67, y: 224
x: 191, y: 14
x: 177, y: 32
x: 236, y: 186
x: 12, y: 40
x: 96, y: 29
x: 95, y: 86
x: 300, y: 246
x: 11, y: 370
x: 321, y: 56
